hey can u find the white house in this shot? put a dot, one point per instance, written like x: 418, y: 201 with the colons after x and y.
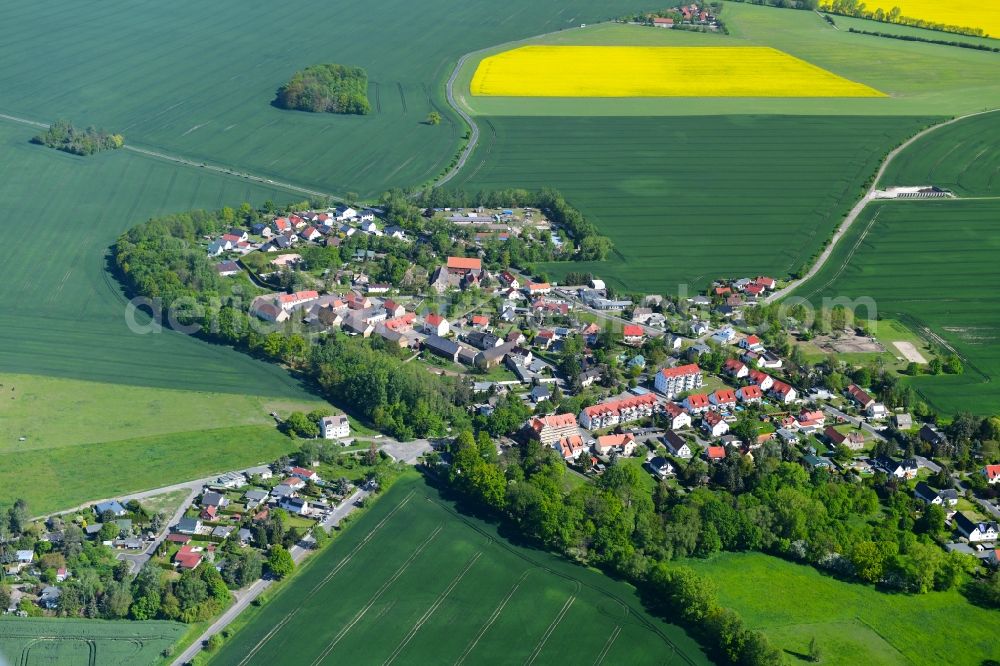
x: 976, y: 531
x: 436, y: 325
x: 676, y: 445
x: 335, y: 427
x: 713, y: 424
x: 678, y: 417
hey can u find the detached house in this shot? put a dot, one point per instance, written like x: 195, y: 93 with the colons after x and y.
x: 335, y: 427
x: 860, y: 397
x: 570, y: 447
x: 435, y: 324
x: 975, y: 531
x: 992, y: 473
x: 736, y: 369
x: 783, y: 392
x: 623, y: 444
x: 750, y: 394
x: 696, y: 403
x: 633, y: 334
x: 713, y: 424
x: 676, y: 445
x: 723, y: 398
x: 928, y: 495
x: 677, y: 416
x: 855, y: 441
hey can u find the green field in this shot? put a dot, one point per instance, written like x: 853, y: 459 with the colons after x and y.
x: 53, y: 412
x: 198, y: 78
x: 962, y: 157
x: 853, y: 624
x: 73, y: 372
x: 932, y: 265
x: 688, y: 200
x: 58, y: 478
x: 52, y: 642
x: 920, y: 79
x: 848, y: 22
x: 414, y: 582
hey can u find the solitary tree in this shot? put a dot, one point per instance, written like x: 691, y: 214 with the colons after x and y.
x: 433, y: 118
x: 814, y: 651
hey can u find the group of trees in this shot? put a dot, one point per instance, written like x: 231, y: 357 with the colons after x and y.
x: 611, y: 523
x: 326, y: 88
x: 61, y: 135
x: 868, y: 529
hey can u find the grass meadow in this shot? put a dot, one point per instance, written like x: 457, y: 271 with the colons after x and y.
x: 932, y: 265
x: 198, y: 78
x: 852, y: 623
x: 414, y: 582
x: 688, y: 200
x: 61, y: 477
x: 69, y: 642
x: 962, y: 157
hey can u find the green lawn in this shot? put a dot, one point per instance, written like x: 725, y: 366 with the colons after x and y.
x: 932, y: 265
x: 60, y: 477
x: 689, y: 200
x: 63, y: 642
x: 415, y: 582
x: 853, y: 624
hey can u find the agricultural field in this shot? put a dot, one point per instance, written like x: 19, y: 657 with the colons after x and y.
x: 848, y: 22
x: 694, y: 199
x: 985, y: 15
x: 73, y: 372
x: 650, y: 71
x: 932, y: 265
x: 918, y: 78
x: 415, y: 582
x: 198, y: 79
x: 962, y: 157
x: 67, y: 476
x: 52, y: 412
x: 63, y: 642
x: 852, y: 623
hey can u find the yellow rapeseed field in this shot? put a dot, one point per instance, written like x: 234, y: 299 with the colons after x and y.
x: 657, y: 71
x: 984, y: 15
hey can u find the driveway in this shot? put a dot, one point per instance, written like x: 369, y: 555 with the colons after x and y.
x: 855, y: 421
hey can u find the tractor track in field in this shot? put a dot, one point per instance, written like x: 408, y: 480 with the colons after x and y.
x: 178, y: 159
x: 862, y: 204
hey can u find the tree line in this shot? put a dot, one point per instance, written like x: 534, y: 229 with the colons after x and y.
x: 61, y: 135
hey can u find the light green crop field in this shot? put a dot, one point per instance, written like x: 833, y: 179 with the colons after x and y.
x: 852, y: 624
x: 58, y: 478
x: 920, y: 79
x: 962, y: 157
x: 932, y: 265
x: 689, y: 200
x: 415, y: 582
x: 52, y: 412
x: 65, y: 642
x: 198, y: 78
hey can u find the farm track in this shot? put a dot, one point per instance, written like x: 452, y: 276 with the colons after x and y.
x: 177, y: 159
x: 860, y: 206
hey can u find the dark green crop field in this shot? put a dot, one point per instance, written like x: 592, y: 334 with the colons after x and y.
x: 933, y: 265
x: 62, y: 313
x: 413, y: 582
x: 63, y: 642
x: 198, y: 78
x: 963, y: 158
x: 691, y: 199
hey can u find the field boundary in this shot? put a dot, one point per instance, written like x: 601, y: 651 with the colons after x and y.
x: 177, y: 159
x: 860, y: 205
